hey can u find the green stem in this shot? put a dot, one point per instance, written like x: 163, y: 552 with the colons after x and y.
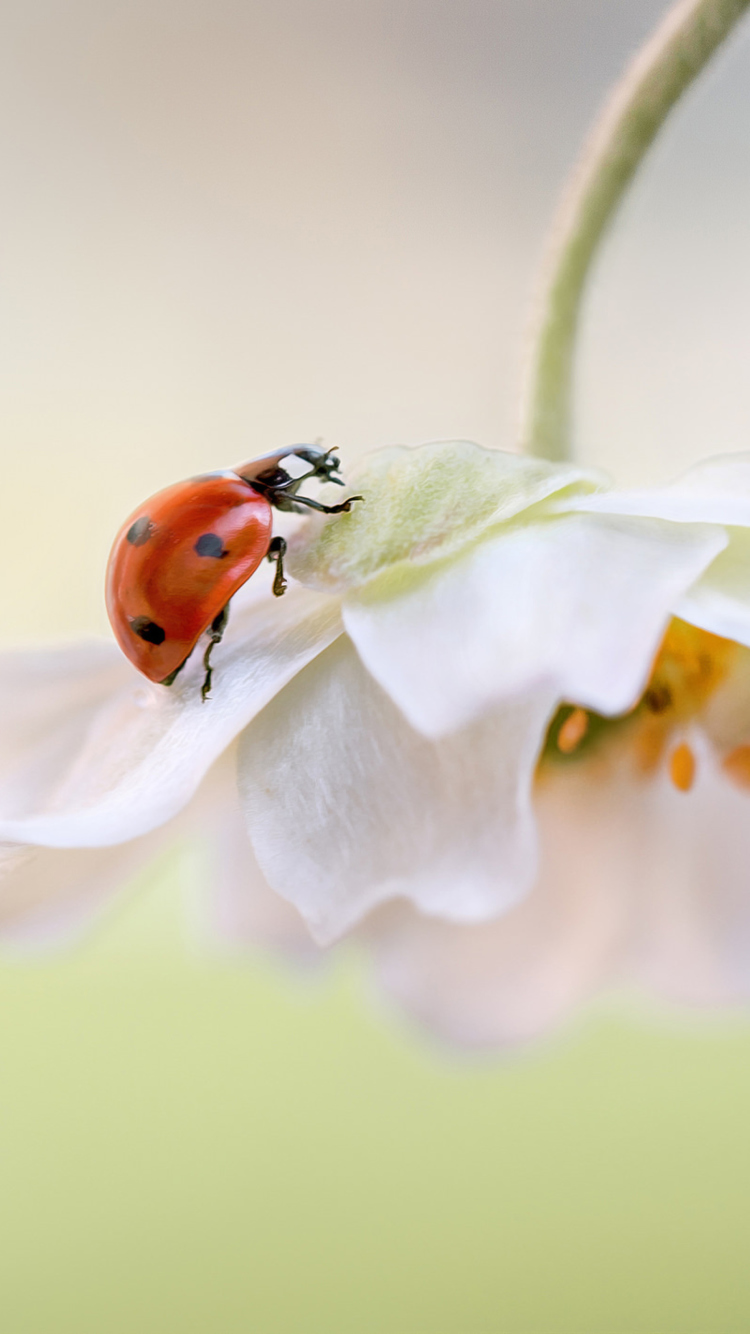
x: 627, y: 125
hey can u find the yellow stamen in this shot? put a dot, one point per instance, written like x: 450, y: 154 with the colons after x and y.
x: 690, y: 666
x: 573, y: 731
x: 682, y: 767
x: 736, y: 766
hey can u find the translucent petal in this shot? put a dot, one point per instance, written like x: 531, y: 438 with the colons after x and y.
x: 717, y: 490
x: 513, y: 979
x: 97, y: 755
x: 49, y: 896
x: 714, y: 491
x: 347, y: 806
x: 235, y: 909
x: 690, y: 938
x: 53, y: 895
x: 720, y: 600
x: 638, y: 884
x: 575, y: 605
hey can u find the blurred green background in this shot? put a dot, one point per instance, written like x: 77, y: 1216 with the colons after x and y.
x: 190, y: 1146
x: 231, y: 225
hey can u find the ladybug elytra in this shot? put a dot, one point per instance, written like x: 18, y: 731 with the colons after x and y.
x: 180, y: 558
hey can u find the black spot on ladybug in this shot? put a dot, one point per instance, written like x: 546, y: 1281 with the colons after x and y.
x: 140, y: 531
x: 148, y: 630
x: 209, y: 544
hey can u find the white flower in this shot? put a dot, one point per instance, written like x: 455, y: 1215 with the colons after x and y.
x: 387, y: 718
x: 643, y: 875
x: 643, y: 824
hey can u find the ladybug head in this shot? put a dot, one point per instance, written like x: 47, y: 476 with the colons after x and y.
x: 292, y: 465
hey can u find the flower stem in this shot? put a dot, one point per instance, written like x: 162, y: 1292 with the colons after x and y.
x: 627, y: 125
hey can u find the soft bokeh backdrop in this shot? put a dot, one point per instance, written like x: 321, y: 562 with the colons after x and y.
x: 226, y: 226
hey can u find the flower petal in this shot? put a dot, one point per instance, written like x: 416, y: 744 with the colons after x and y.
x: 98, y: 755
x: 421, y: 505
x: 717, y: 490
x: 576, y: 604
x: 714, y: 491
x: 53, y: 895
x: 347, y: 806
x: 720, y: 600
x: 238, y: 911
x: 691, y: 929
x: 505, y: 982
x: 236, y: 908
x: 638, y: 883
x: 49, y: 896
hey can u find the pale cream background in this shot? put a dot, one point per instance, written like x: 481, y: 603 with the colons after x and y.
x: 230, y: 226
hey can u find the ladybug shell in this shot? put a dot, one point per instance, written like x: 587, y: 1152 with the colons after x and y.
x: 177, y: 561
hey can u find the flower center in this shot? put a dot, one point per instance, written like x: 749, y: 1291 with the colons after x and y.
x: 689, y: 667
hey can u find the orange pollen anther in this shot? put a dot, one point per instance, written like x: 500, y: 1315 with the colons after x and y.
x: 682, y: 767
x: 690, y: 666
x: 573, y: 731
x: 736, y: 766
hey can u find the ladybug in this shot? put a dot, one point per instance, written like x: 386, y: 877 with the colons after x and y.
x: 182, y: 555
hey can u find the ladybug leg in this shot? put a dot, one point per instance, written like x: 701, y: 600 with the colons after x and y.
x: 277, y: 552
x: 215, y: 631
x: 292, y: 502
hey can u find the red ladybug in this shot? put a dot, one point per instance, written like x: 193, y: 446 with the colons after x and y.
x: 182, y: 555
